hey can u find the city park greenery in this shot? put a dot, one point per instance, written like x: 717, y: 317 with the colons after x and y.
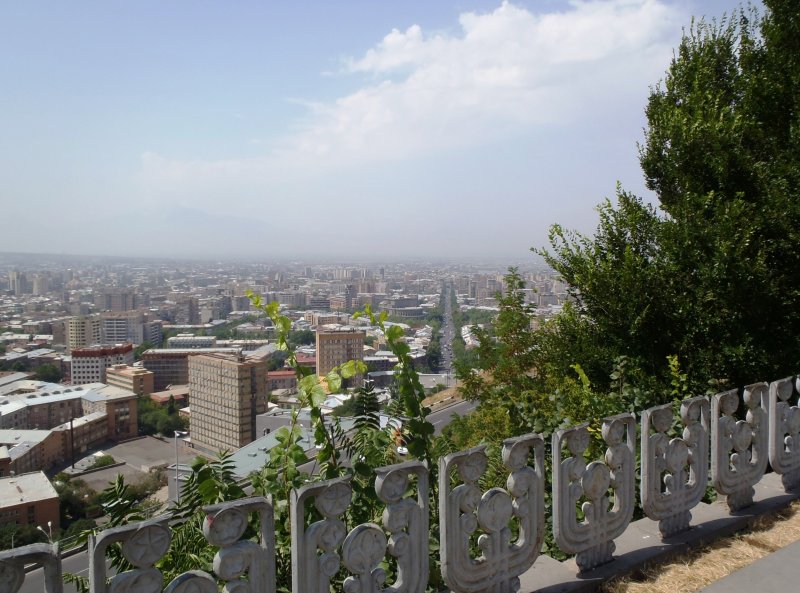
x: 691, y: 296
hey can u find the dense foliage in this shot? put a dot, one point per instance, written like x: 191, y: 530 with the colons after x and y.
x: 710, y: 275
x: 156, y: 419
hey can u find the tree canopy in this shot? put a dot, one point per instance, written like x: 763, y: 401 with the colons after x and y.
x: 708, y: 276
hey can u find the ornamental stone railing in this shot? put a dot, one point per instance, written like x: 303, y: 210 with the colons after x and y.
x: 739, y: 448
x: 466, y: 510
x: 592, y: 538
x: 488, y: 536
x: 674, y: 470
x: 144, y: 543
x: 784, y: 432
x: 319, y: 550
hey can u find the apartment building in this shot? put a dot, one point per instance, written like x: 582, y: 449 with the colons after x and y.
x: 29, y: 499
x: 170, y: 366
x: 185, y: 341
x: 226, y: 393
x: 134, y: 379
x: 84, y: 331
x: 24, y: 451
x: 120, y: 300
x: 336, y: 345
x: 130, y: 326
x: 89, y: 364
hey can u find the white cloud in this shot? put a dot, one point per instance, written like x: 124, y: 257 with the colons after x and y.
x: 504, y: 74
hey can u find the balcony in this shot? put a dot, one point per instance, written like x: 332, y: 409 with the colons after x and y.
x: 490, y: 540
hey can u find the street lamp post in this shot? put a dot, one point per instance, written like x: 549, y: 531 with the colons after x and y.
x: 178, y: 433
x: 48, y: 533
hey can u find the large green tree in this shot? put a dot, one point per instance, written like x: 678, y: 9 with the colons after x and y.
x: 710, y: 276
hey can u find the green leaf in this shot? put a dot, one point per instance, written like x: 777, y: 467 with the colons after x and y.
x: 334, y: 381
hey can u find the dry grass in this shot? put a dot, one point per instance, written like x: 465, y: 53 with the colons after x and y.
x: 696, y: 569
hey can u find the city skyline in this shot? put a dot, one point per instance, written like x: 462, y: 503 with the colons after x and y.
x: 354, y: 131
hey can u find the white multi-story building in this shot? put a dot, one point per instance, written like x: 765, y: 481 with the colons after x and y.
x: 130, y: 326
x: 89, y: 364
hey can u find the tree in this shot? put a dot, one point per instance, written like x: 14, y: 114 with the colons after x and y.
x: 276, y: 360
x: 301, y: 337
x: 709, y: 276
x: 49, y: 373
x: 503, y: 374
x: 141, y: 348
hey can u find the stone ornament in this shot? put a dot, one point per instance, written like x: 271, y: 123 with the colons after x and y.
x: 465, y: 509
x: 592, y: 539
x: 739, y: 448
x: 193, y: 581
x: 674, y: 471
x: 314, y: 549
x: 143, y: 544
x: 784, y: 432
x: 406, y: 520
x: 12, y: 567
x: 224, y: 527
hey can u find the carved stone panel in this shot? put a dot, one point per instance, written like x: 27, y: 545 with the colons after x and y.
x: 592, y: 539
x: 143, y: 544
x: 739, y: 448
x: 315, y: 556
x: 784, y: 432
x: 244, y: 566
x: 405, y: 518
x: 12, y: 567
x: 319, y: 550
x: 465, y: 510
x: 674, y: 471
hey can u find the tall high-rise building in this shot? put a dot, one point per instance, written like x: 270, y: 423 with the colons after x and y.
x: 187, y: 311
x: 119, y: 300
x: 226, y: 393
x: 335, y: 346
x: 83, y: 331
x: 131, y: 326
x: 41, y: 284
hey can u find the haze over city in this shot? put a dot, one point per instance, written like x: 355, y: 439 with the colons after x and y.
x: 350, y: 129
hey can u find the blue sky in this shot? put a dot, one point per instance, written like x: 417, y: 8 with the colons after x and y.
x: 369, y: 130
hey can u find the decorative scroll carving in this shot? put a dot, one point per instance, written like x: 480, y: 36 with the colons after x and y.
x: 315, y: 556
x: 784, y: 433
x: 143, y: 544
x: 12, y: 567
x: 593, y: 538
x: 311, y: 571
x: 224, y: 527
x: 406, y: 520
x: 739, y: 448
x: 674, y: 471
x: 464, y: 509
x: 193, y: 581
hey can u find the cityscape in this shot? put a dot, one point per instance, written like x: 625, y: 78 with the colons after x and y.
x: 399, y: 297
x: 92, y: 347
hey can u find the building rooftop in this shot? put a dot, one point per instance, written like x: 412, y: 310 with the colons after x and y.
x: 15, y: 436
x: 26, y: 488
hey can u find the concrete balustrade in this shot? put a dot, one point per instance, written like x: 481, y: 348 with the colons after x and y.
x: 490, y: 538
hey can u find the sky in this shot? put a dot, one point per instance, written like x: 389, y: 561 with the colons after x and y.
x: 350, y: 129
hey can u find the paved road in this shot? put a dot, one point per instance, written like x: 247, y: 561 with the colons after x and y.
x: 443, y: 417
x: 448, y: 332
x: 77, y: 564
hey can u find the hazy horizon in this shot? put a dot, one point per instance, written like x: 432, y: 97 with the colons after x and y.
x: 358, y: 130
